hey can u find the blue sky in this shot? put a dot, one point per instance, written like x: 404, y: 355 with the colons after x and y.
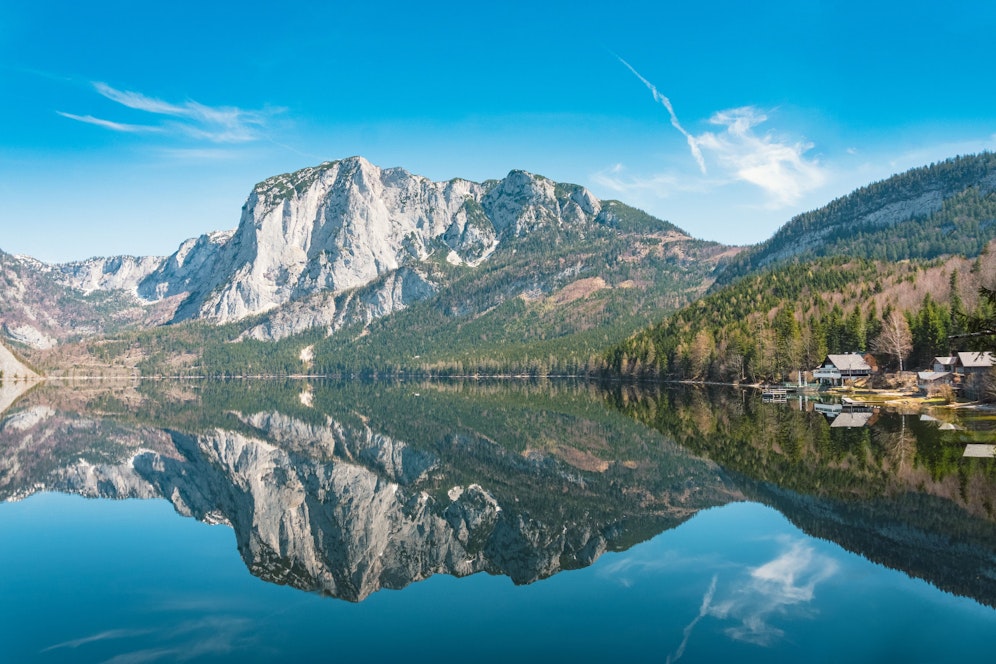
x: 127, y: 127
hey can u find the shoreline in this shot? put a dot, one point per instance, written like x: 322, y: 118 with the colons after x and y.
x: 882, y: 397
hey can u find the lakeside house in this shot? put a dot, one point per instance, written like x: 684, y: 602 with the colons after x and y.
x: 946, y: 363
x: 931, y: 381
x: 960, y: 371
x: 838, y: 368
x: 972, y: 362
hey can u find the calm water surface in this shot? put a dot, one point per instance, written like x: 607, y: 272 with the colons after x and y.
x: 447, y: 522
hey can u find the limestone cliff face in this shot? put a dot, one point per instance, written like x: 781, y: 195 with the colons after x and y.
x: 113, y: 273
x: 186, y: 270
x: 333, y: 311
x: 345, y: 225
x: 328, y: 246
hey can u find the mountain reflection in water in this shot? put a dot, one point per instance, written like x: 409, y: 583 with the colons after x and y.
x: 347, y: 488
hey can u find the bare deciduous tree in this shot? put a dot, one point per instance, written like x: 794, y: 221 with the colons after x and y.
x: 895, y: 339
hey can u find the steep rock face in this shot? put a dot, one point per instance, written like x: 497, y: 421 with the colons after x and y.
x: 151, y: 278
x: 343, y: 225
x: 523, y: 202
x: 382, y: 297
x: 191, y: 265
x: 114, y: 273
x: 331, y: 228
x: 341, y: 243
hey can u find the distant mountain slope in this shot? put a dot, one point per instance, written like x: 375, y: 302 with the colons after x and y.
x: 11, y: 368
x: 39, y: 309
x: 945, y: 208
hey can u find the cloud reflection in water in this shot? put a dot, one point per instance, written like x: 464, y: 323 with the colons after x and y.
x: 782, y: 586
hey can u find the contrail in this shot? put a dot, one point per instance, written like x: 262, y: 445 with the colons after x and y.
x: 703, y: 610
x: 693, y: 144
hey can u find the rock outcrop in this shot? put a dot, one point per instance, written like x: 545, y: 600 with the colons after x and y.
x: 347, y: 225
x: 11, y: 368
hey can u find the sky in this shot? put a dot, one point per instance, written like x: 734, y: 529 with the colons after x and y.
x: 126, y: 128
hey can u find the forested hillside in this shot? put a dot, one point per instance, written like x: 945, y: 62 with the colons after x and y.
x: 941, y: 209
x: 770, y: 324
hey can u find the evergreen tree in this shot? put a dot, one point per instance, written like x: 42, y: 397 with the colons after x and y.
x: 929, y: 332
x: 873, y: 324
x: 854, y: 331
x: 958, y: 313
x: 788, y: 341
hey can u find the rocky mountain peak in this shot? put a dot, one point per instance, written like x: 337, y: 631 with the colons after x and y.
x: 345, y: 224
x: 307, y: 242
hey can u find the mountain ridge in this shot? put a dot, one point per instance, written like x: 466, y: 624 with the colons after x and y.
x: 342, y: 243
x: 871, y: 211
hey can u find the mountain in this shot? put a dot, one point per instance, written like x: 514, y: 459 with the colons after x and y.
x: 349, y: 242
x: 345, y: 243
x: 945, y: 208
x: 43, y: 305
x: 359, y: 267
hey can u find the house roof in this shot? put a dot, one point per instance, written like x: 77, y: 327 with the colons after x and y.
x: 850, y: 420
x: 945, y: 360
x: 975, y: 359
x: 849, y: 362
x: 980, y: 450
x: 928, y: 376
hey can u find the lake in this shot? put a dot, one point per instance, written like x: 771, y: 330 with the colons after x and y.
x: 488, y: 521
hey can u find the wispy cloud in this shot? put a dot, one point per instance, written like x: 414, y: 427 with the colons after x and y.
x: 693, y: 143
x: 113, y: 126
x: 776, y: 165
x: 214, y: 124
